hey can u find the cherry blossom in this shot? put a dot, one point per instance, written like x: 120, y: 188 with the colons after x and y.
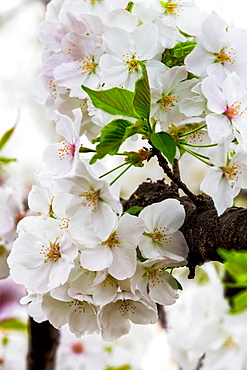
x: 228, y: 103
x: 62, y: 157
x: 92, y: 200
x: 79, y: 313
x: 228, y: 175
x: 120, y: 65
x: 115, y: 317
x: 154, y: 282
x: 167, y: 97
x: 220, y: 51
x: 161, y: 236
x: 117, y: 252
x: 42, y: 256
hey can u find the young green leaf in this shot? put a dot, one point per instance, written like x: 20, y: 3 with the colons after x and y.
x: 134, y: 210
x: 112, y: 136
x: 239, y: 302
x: 142, y: 97
x: 6, y: 136
x: 115, y: 101
x: 235, y: 262
x: 175, y: 56
x: 165, y: 143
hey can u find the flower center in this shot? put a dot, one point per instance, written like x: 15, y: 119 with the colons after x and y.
x: 126, y: 306
x: 131, y: 62
x: 229, y: 343
x: 225, y: 55
x: 51, y: 254
x: 91, y: 198
x: 67, y: 149
x: 171, y: 7
x: 232, y: 172
x: 87, y: 65
x: 168, y: 102
x: 78, y: 306
x: 77, y: 347
x: 64, y: 223
x: 153, y: 277
x: 53, y: 89
x: 159, y: 235
x: 112, y: 241
x: 234, y: 111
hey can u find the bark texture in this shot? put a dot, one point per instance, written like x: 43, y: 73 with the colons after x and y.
x: 43, y: 342
x: 203, y: 230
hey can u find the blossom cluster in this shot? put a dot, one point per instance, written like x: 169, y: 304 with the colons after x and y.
x: 82, y: 259
x: 101, y: 45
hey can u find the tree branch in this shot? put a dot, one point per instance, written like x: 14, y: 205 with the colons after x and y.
x: 175, y: 177
x: 43, y: 342
x: 203, y: 230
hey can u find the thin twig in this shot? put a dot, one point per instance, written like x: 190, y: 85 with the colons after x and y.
x: 176, y: 171
x: 176, y: 179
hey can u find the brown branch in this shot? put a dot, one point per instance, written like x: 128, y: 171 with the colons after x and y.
x: 176, y: 178
x: 43, y: 342
x: 203, y: 230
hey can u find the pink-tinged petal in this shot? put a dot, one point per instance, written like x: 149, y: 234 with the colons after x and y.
x: 124, y: 262
x: 96, y: 259
x: 219, y: 129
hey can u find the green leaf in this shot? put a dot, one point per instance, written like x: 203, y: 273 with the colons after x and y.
x: 115, y: 101
x: 13, y: 324
x: 142, y: 97
x: 239, y: 302
x: 175, y: 56
x: 236, y: 265
x: 112, y: 136
x: 134, y: 210
x: 6, y: 136
x: 139, y: 127
x: 165, y: 143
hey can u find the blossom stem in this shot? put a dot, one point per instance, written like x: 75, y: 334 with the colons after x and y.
x: 126, y: 169
x: 201, y: 146
x: 114, y: 169
x: 192, y: 131
x: 198, y: 156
